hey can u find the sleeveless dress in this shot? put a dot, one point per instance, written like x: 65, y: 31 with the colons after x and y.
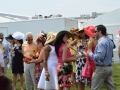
x: 91, y: 63
x: 17, y: 62
x: 80, y: 64
x: 52, y: 63
x: 65, y: 75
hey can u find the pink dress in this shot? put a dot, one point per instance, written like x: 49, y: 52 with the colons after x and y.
x: 91, y: 63
x: 65, y: 78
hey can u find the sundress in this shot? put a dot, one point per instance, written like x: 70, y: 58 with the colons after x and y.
x: 91, y: 63
x: 52, y: 63
x: 65, y: 75
x: 80, y: 64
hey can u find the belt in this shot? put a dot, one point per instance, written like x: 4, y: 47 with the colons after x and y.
x: 104, y: 65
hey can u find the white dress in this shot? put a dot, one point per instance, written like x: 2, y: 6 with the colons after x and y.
x: 52, y: 63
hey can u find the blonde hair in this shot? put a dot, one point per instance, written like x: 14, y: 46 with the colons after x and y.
x: 92, y: 43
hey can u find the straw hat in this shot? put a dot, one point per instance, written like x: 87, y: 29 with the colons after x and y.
x: 50, y: 37
x: 90, y: 31
x: 18, y: 35
x: 63, y: 32
x: 81, y: 28
x: 74, y: 31
x: 40, y: 34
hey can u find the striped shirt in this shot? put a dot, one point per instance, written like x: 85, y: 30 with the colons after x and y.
x: 103, y: 52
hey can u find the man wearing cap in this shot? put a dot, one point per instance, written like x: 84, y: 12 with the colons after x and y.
x: 28, y: 48
x: 5, y: 49
x: 103, y: 60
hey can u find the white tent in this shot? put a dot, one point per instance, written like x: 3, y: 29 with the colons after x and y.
x: 5, y: 17
x: 112, y: 22
x: 109, y: 18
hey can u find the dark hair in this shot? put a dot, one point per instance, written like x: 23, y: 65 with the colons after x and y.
x: 86, y: 36
x: 45, y: 35
x: 20, y: 41
x: 58, y: 43
x: 101, y: 28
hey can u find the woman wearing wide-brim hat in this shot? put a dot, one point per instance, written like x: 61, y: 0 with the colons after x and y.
x: 73, y: 49
x: 81, y: 62
x: 17, y: 62
x: 90, y: 31
x: 48, y: 79
x: 65, y: 80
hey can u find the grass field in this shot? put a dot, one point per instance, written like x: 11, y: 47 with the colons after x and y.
x: 116, y: 77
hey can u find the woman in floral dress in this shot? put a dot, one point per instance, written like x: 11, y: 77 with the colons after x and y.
x: 65, y: 79
x: 81, y: 62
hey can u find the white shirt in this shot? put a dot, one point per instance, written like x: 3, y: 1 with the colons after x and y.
x: 1, y: 59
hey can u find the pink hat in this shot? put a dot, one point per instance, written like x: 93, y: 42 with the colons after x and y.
x: 90, y: 31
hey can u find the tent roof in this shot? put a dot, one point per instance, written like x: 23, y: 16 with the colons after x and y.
x: 112, y: 17
x: 5, y: 17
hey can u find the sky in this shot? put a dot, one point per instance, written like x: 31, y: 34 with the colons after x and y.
x: 67, y: 8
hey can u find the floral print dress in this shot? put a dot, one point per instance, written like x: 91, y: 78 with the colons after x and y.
x: 80, y: 64
x: 38, y: 69
x: 65, y: 74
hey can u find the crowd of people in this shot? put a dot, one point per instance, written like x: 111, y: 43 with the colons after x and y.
x: 57, y: 61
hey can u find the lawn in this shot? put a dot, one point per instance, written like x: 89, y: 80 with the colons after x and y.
x: 116, y: 77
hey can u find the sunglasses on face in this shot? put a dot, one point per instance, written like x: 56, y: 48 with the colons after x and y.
x: 96, y: 31
x: 29, y: 39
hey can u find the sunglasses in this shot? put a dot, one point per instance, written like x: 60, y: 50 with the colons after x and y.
x: 96, y: 31
x: 29, y: 39
x: 1, y: 38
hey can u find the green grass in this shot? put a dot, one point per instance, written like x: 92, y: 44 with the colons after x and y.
x: 116, y: 77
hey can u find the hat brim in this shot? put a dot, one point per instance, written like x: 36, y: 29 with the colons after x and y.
x: 63, y: 32
x: 47, y: 42
x: 80, y: 29
x: 90, y: 34
x: 9, y: 38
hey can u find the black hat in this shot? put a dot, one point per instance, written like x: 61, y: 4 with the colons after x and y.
x: 9, y: 37
x: 63, y: 32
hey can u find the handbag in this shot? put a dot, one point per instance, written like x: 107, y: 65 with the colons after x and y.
x: 86, y: 72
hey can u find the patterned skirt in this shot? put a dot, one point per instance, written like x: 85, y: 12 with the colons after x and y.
x: 65, y: 75
x: 80, y: 64
x: 38, y: 71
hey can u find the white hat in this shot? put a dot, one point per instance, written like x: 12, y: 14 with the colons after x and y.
x: 18, y: 35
